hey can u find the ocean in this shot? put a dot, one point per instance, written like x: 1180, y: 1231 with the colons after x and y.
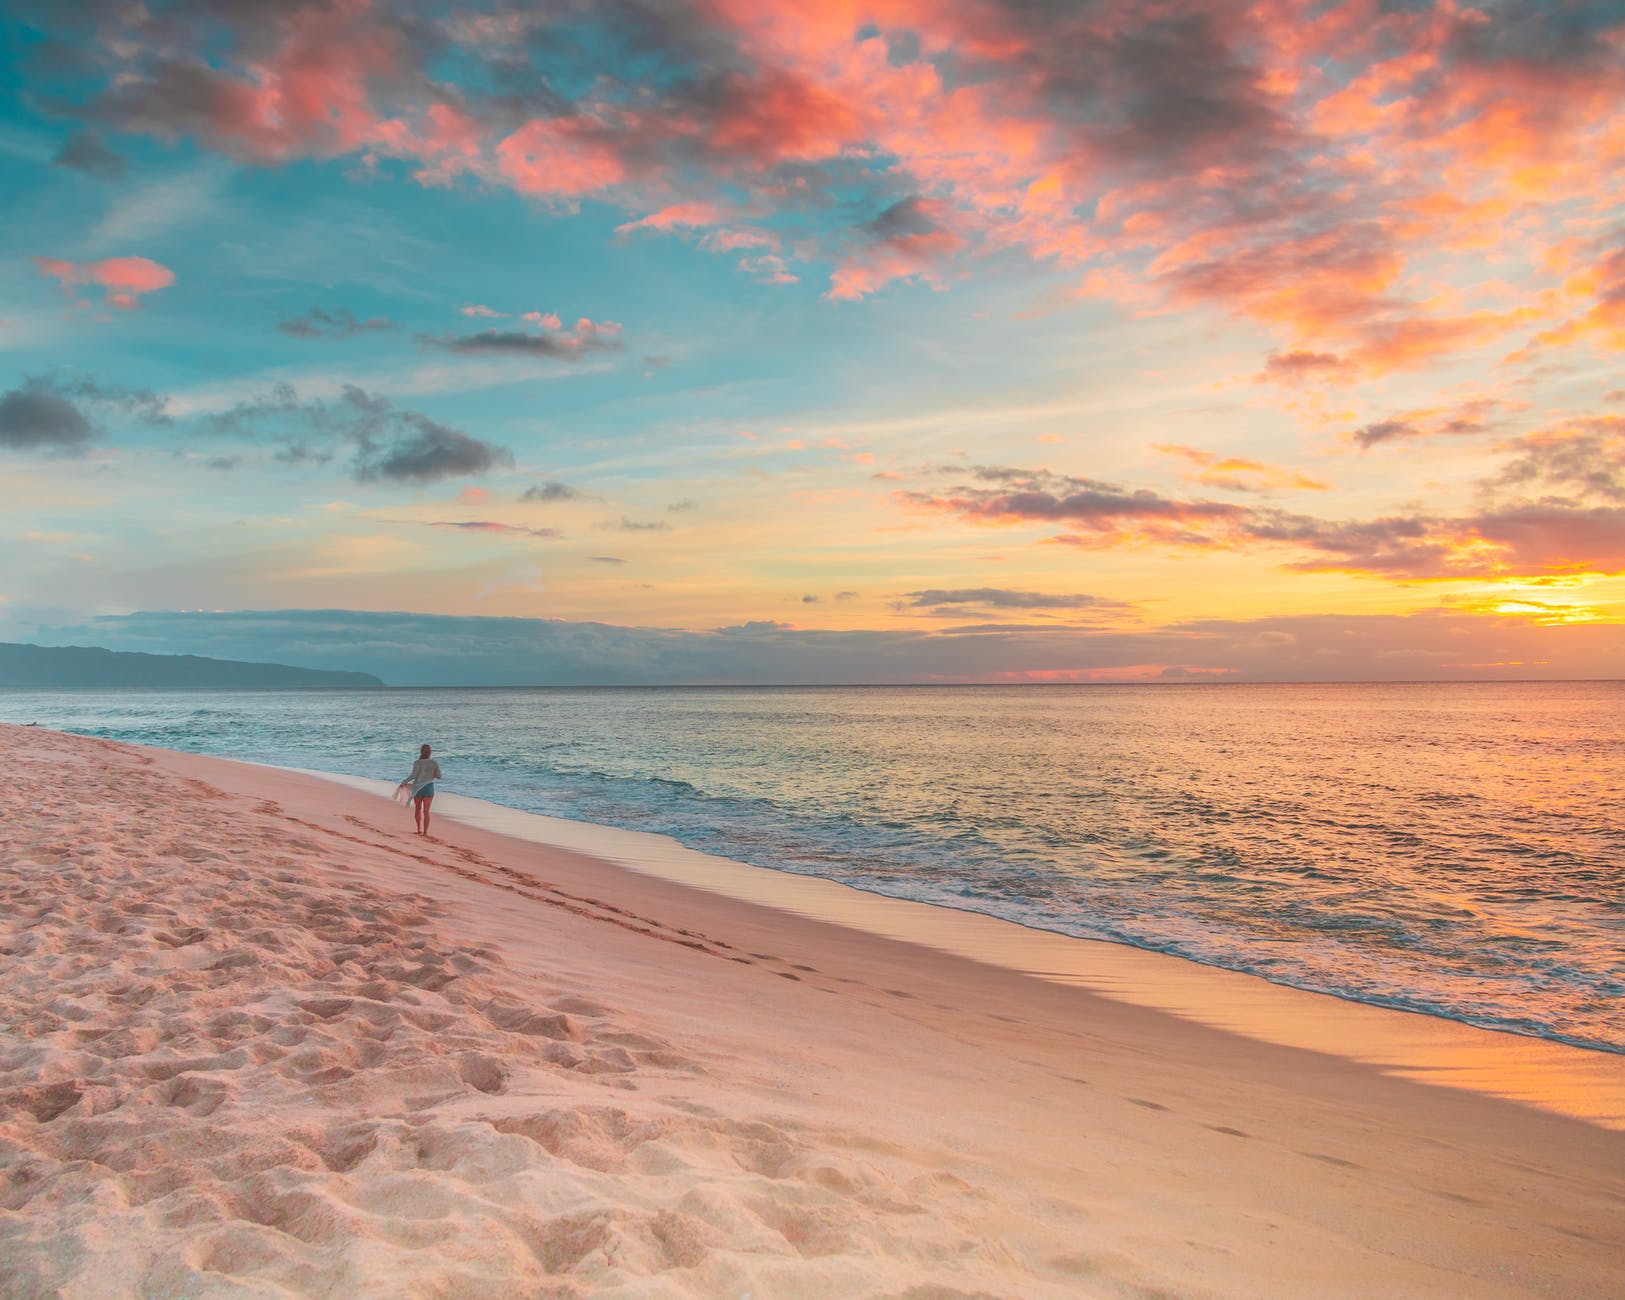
x: 1452, y: 849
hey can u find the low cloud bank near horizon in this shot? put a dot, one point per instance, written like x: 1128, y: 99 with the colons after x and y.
x: 407, y: 649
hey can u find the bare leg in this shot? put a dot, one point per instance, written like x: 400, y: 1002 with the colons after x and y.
x: 422, y: 806
x: 417, y: 815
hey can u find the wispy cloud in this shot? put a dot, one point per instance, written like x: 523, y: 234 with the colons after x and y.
x: 1238, y: 473
x: 1002, y: 598
x: 162, y: 206
x: 487, y: 526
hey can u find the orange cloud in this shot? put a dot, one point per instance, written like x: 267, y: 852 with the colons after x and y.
x: 1237, y: 474
x: 1601, y: 287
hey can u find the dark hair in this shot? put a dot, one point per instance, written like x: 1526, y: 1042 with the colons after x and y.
x: 423, y: 752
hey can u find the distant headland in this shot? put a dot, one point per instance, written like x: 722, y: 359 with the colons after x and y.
x: 52, y: 667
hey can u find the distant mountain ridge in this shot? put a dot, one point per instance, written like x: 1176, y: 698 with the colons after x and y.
x: 70, y: 666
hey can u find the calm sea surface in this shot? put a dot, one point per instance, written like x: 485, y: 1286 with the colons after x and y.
x: 1452, y: 849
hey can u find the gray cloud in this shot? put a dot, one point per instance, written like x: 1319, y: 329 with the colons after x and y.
x: 908, y: 216
x: 140, y: 404
x: 38, y: 420
x: 1530, y: 538
x: 625, y: 525
x: 426, y: 451
x: 551, y: 491
x: 1384, y: 431
x: 557, y: 347
x: 1004, y: 598
x: 1587, y: 460
x: 298, y: 453
x: 85, y: 152
x: 1040, y: 494
x: 179, y: 97
x: 45, y: 412
x: 1399, y: 545
x: 390, y: 444
x: 1469, y: 418
x: 319, y: 323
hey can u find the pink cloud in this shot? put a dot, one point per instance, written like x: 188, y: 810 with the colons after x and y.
x: 558, y: 159
x: 124, y: 279
x: 303, y: 87
x: 479, y: 309
x: 450, y: 143
x: 1311, y: 169
x: 779, y: 115
x: 675, y: 216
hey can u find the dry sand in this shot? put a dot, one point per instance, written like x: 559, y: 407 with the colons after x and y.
x: 256, y: 1038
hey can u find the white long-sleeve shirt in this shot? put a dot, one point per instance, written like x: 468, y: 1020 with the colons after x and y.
x: 423, y: 771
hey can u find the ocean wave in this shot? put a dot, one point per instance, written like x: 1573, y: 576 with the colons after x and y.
x: 1449, y: 877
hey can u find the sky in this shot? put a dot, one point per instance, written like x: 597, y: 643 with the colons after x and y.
x: 872, y: 340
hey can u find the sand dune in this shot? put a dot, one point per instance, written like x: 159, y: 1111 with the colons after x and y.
x: 260, y: 1040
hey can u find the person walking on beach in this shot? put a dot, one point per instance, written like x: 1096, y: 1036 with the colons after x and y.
x: 425, y: 772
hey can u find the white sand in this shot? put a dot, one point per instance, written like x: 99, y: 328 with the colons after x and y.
x: 256, y: 1038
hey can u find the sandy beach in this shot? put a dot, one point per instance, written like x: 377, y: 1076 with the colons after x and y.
x: 258, y: 1039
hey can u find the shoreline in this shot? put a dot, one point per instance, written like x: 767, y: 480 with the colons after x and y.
x: 265, y: 1037
x: 1577, y: 1080
x: 1419, y: 961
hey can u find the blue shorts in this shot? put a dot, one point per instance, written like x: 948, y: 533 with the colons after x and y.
x: 424, y: 791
